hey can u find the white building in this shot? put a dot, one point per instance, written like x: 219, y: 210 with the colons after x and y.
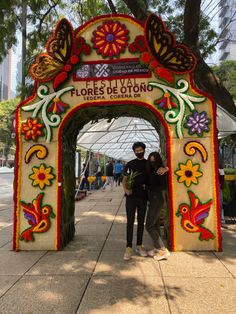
x: 227, y: 28
x: 5, y: 77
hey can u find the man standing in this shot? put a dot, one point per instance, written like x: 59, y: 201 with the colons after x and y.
x: 136, y: 198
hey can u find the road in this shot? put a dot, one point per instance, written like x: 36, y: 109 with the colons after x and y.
x: 6, y: 185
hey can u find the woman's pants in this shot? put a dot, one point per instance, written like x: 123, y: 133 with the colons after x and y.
x: 153, y: 215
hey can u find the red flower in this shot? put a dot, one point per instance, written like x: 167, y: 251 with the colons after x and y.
x: 57, y: 106
x: 32, y: 129
x: 110, y: 39
x: 165, y: 102
x: 164, y: 74
x: 138, y: 45
x: 146, y: 57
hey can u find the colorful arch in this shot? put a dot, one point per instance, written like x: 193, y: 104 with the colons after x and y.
x: 112, y: 61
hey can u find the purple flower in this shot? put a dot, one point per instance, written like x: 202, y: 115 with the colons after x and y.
x: 198, y: 123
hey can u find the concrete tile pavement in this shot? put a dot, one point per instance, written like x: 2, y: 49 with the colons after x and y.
x: 90, y: 276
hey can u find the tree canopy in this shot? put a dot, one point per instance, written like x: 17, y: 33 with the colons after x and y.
x: 226, y: 71
x: 185, y: 18
x: 7, y: 109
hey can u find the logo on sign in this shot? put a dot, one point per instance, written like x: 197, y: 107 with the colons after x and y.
x: 102, y: 70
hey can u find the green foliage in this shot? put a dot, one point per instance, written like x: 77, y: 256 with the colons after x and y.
x: 131, y: 178
x: 230, y: 171
x: 41, y: 17
x: 7, y: 109
x: 8, y: 27
x: 226, y: 192
x: 226, y: 71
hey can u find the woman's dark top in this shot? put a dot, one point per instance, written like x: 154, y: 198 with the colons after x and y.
x: 156, y: 182
x: 109, y: 170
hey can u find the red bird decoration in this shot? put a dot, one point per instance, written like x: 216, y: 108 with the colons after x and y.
x: 193, y: 216
x: 37, y: 216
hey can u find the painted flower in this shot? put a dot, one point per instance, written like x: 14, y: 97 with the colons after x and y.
x: 57, y: 106
x: 198, y: 123
x: 165, y: 102
x: 42, y: 176
x: 32, y: 129
x: 188, y: 173
x: 110, y: 39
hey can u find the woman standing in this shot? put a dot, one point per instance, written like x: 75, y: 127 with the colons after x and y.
x: 156, y: 183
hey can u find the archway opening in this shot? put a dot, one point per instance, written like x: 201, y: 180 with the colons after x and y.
x: 69, y: 131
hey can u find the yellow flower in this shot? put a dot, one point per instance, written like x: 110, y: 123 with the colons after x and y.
x: 42, y: 176
x: 104, y: 178
x: 188, y: 173
x: 91, y: 179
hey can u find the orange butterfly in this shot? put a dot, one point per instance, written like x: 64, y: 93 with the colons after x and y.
x: 62, y: 54
x: 176, y: 58
x: 160, y: 52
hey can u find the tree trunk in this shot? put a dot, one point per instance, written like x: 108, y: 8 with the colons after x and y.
x: 204, y: 77
x: 139, y: 8
x: 112, y: 6
x: 23, y: 33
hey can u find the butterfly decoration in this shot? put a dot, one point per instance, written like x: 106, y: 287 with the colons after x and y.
x: 160, y: 51
x: 63, y: 51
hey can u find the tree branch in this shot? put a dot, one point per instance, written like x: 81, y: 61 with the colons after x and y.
x: 139, y: 8
x: 51, y: 7
x: 112, y: 7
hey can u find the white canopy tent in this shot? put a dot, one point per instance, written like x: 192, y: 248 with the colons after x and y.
x: 115, y: 138
x: 226, y: 122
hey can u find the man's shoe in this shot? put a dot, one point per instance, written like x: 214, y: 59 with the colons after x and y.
x: 128, y: 253
x: 152, y: 253
x: 161, y: 254
x: 141, y: 251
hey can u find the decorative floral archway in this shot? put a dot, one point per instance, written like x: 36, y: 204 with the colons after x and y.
x: 110, y: 62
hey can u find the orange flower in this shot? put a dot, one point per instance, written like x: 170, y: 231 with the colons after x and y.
x: 104, y: 178
x: 32, y: 129
x: 91, y: 179
x: 110, y: 39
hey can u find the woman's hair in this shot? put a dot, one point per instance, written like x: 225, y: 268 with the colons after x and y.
x: 158, y: 161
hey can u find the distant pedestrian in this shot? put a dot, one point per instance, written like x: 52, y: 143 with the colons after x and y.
x: 85, y: 174
x: 118, y: 169
x: 221, y: 182
x: 98, y: 175
x: 109, y: 175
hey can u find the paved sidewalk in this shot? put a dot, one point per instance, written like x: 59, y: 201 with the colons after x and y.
x: 90, y: 276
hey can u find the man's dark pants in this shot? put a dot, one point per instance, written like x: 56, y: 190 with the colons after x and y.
x: 131, y: 204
